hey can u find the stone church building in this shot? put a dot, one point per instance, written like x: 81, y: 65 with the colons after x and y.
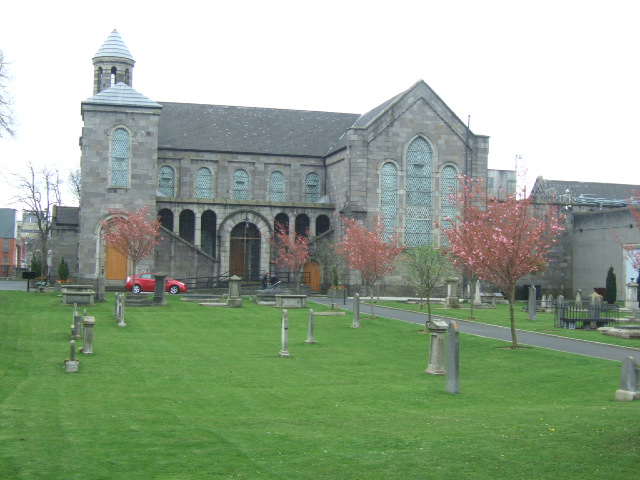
x: 220, y: 177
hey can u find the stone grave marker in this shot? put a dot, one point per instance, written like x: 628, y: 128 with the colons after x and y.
x: 452, y: 383
x: 629, y: 381
x: 356, y: 311
x: 284, y: 351
x: 531, y: 305
x: 437, y: 330
x: 310, y: 338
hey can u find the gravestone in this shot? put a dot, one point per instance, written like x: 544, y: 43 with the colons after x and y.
x: 632, y: 295
x: 559, y: 310
x: 543, y: 303
x: 437, y: 330
x: 77, y: 323
x: 531, y: 305
x: 159, y: 290
x: 87, y: 344
x: 452, y: 300
x: 356, y: 311
x: 284, y: 351
x: 310, y: 328
x: 477, y: 297
x: 549, y: 302
x: 629, y: 381
x: 595, y: 306
x: 579, y: 298
x: 452, y: 383
x: 234, y: 292
x: 71, y: 365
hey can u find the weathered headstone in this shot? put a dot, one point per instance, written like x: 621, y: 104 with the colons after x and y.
x: 310, y: 328
x: 437, y: 330
x: 235, y: 300
x: 159, y: 290
x: 560, y: 310
x: 77, y: 322
x: 595, y: 306
x: 477, y: 297
x: 549, y: 302
x: 71, y: 364
x: 543, y: 303
x: 631, y: 301
x: 452, y: 300
x: 120, y: 315
x: 629, y: 381
x: 452, y: 383
x: 284, y: 351
x: 87, y: 344
x: 356, y: 311
x: 579, y: 298
x: 531, y: 305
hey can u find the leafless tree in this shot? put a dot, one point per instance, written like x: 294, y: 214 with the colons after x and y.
x: 74, y: 183
x: 39, y: 191
x: 6, y: 112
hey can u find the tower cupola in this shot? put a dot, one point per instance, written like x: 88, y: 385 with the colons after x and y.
x: 112, y: 64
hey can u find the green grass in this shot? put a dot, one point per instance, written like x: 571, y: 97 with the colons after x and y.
x: 188, y: 392
x: 545, y: 322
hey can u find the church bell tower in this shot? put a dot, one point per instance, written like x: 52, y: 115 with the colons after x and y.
x: 112, y: 64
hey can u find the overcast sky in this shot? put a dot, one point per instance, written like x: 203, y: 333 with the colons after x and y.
x: 554, y: 81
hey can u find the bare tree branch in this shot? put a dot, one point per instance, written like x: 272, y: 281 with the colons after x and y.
x: 6, y: 112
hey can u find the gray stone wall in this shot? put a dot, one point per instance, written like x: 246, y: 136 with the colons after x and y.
x: 64, y: 243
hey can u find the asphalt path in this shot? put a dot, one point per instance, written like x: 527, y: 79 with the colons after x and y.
x: 541, y: 340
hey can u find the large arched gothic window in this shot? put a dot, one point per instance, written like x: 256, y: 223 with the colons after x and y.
x: 166, y: 181
x: 187, y: 226
x: 120, y: 156
x: 448, y: 190
x: 166, y: 218
x: 276, y: 187
x: 208, y: 232
x: 419, y: 185
x: 240, y: 185
x: 388, y: 197
x: 312, y: 188
x: 204, y: 181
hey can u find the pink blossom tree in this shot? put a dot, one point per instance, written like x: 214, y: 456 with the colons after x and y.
x: 290, y: 251
x: 133, y: 234
x: 631, y: 251
x: 502, y: 240
x: 371, y: 252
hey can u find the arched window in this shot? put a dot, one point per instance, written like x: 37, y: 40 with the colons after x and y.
x: 448, y: 190
x: 187, y: 225
x: 120, y: 153
x: 419, y: 185
x: 240, y: 185
x: 302, y: 225
x: 388, y: 197
x: 208, y: 232
x: 281, y: 222
x: 114, y: 73
x: 276, y: 187
x: 312, y: 188
x: 322, y: 224
x: 166, y: 181
x: 127, y: 77
x: 166, y: 218
x: 203, y: 183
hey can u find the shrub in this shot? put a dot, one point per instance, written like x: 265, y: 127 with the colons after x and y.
x: 611, y: 287
x: 63, y: 269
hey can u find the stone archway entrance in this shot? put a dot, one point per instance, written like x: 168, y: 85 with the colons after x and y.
x: 313, y: 269
x: 245, y: 251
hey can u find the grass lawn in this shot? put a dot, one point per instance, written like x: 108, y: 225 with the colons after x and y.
x: 188, y: 392
x: 545, y: 322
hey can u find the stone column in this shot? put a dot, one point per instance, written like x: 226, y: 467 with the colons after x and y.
x: 452, y: 300
x: 356, y: 310
x: 159, y: 290
x: 632, y: 295
x: 234, y: 292
x: 197, y: 234
x: 87, y: 345
x: 437, y: 330
x: 71, y: 365
x: 453, y: 359
x: 284, y: 352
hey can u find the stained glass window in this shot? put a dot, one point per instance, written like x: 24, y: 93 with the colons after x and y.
x: 276, y: 187
x: 203, y: 183
x: 388, y: 197
x: 418, y: 186
x: 166, y: 181
x: 120, y: 147
x: 312, y: 188
x: 240, y: 185
x: 448, y: 190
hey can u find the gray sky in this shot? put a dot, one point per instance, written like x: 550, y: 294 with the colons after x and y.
x: 554, y: 81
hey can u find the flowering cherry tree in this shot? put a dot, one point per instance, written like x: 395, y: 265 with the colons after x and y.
x: 371, y: 252
x: 631, y: 251
x: 502, y: 240
x: 291, y: 252
x: 133, y: 234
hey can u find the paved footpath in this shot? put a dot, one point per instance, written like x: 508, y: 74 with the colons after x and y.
x: 552, y: 342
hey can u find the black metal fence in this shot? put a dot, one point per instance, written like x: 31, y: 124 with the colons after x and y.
x: 222, y: 281
x: 578, y: 316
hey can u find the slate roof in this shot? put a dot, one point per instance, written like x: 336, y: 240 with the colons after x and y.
x: 121, y: 95
x: 584, y: 192
x: 114, y: 47
x: 221, y: 128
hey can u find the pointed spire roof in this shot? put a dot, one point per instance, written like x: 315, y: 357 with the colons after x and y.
x: 114, y: 47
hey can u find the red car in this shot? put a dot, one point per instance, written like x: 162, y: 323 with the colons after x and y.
x: 146, y: 282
